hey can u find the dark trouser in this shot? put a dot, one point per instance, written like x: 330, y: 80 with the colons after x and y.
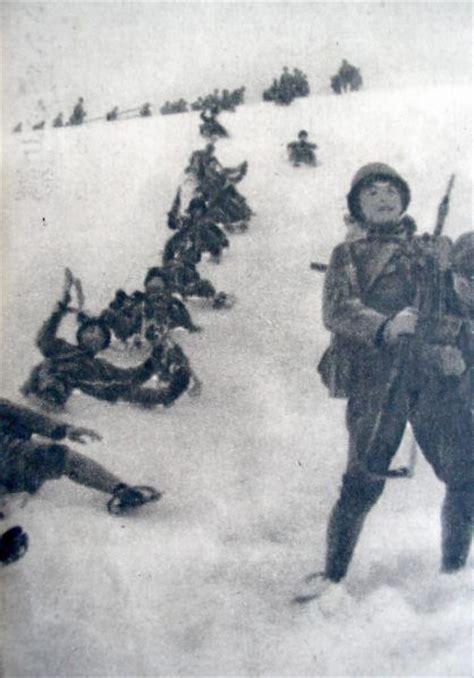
x: 442, y: 424
x: 26, y: 464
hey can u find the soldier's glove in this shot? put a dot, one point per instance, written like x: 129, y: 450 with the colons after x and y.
x: 403, y: 323
x: 78, y: 434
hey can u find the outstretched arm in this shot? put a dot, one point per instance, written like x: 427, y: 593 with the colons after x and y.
x: 46, y: 341
x: 25, y: 418
x: 43, y: 425
x: 111, y: 381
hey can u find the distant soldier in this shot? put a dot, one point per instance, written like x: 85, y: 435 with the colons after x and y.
x: 336, y: 85
x: 39, y: 125
x: 197, y: 235
x: 302, y: 151
x: 124, y: 315
x: 285, y: 88
x: 78, y: 114
x: 58, y: 120
x: 238, y: 96
x: 300, y: 83
x: 183, y: 278
x: 112, y: 115
x: 227, y: 102
x: 210, y: 127
x: 356, y: 80
x: 199, y: 160
x: 161, y: 306
x: 145, y: 110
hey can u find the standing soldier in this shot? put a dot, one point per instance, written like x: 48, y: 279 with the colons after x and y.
x: 78, y: 114
x: 145, y: 110
x: 372, y: 291
x: 58, y: 120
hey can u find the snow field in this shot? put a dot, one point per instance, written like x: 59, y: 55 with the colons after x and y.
x: 201, y: 583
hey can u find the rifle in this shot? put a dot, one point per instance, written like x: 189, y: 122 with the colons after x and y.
x: 433, y: 285
x: 70, y: 281
x: 173, y: 214
x: 443, y: 208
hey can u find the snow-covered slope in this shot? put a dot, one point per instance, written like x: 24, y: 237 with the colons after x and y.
x: 201, y: 583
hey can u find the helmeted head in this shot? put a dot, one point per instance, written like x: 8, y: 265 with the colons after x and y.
x: 119, y: 299
x: 155, y: 280
x: 462, y: 263
x: 378, y: 195
x: 93, y: 335
x: 196, y: 207
x: 302, y: 134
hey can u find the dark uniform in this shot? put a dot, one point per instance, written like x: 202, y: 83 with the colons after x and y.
x: 183, y: 278
x: 302, y: 151
x: 68, y: 367
x: 166, y: 310
x: 225, y: 204
x: 196, y: 237
x: 25, y: 464
x: 124, y: 316
x: 368, y: 282
x: 78, y: 114
x: 210, y: 127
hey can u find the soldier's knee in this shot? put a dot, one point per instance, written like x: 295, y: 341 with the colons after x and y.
x: 360, y: 492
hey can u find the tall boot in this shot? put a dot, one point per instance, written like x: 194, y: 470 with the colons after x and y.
x: 456, y: 528
x: 358, y: 495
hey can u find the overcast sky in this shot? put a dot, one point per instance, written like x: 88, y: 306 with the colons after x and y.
x: 123, y: 53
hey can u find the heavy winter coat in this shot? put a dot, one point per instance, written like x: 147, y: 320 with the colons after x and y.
x: 79, y: 369
x: 368, y: 281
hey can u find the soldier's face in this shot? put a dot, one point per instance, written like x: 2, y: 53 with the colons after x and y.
x: 93, y: 339
x: 155, y: 286
x: 464, y: 286
x: 381, y: 203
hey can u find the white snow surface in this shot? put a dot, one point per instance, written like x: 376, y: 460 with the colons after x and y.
x: 201, y: 583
